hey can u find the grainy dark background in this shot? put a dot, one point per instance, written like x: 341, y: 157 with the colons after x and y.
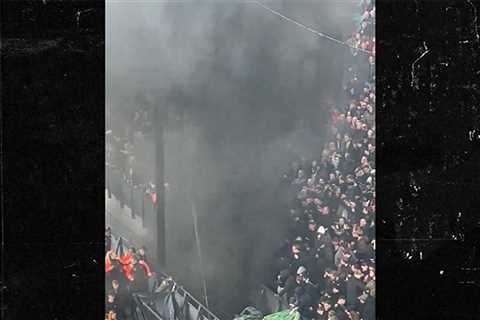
x: 428, y: 167
x: 53, y: 148
x: 53, y: 159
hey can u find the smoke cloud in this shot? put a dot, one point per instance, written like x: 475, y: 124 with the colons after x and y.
x: 246, y: 93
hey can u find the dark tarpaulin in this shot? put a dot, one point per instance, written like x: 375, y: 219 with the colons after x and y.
x: 120, y: 250
x: 267, y: 302
x: 161, y: 305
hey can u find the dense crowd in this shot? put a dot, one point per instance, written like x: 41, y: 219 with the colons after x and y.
x: 327, y: 268
x: 125, y: 273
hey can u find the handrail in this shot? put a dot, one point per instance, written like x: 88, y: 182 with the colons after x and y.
x: 151, y: 310
x: 180, y: 290
x: 200, y: 306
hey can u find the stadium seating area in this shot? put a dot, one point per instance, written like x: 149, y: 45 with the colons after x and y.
x: 327, y: 271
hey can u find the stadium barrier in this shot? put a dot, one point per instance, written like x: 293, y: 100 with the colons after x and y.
x: 174, y: 304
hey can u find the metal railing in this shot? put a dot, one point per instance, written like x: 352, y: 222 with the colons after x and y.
x: 197, y: 311
x: 135, y: 197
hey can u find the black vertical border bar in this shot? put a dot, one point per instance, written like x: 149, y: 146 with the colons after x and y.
x: 52, y: 138
x: 428, y: 160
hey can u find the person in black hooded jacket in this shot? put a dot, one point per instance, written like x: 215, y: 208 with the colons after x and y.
x: 303, y: 303
x: 286, y: 284
x: 355, y: 287
x: 368, y: 310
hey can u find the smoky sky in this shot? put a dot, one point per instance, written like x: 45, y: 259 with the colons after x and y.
x: 246, y: 93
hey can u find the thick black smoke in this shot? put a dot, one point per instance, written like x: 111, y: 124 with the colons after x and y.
x: 246, y: 92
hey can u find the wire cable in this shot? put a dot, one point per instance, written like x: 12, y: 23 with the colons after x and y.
x: 320, y: 34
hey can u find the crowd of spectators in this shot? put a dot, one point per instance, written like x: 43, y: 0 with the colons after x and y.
x: 127, y: 271
x: 327, y: 269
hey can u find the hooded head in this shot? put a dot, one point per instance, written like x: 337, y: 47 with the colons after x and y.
x: 321, y: 230
x: 301, y: 271
x: 358, y: 274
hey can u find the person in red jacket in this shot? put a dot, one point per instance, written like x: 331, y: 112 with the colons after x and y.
x: 112, y: 267
x: 110, y: 256
x: 126, y: 261
x: 142, y: 254
x: 146, y: 268
x: 140, y: 272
